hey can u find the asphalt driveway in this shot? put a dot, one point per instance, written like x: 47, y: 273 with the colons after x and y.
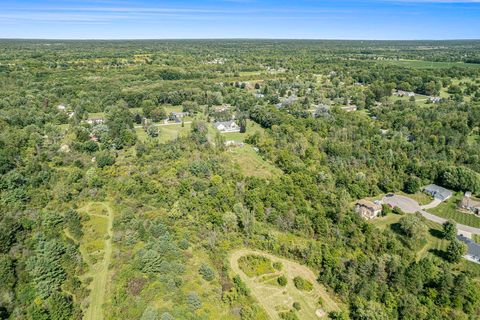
x: 406, y: 204
x: 411, y: 206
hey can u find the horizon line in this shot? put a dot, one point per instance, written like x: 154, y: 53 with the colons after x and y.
x: 237, y: 38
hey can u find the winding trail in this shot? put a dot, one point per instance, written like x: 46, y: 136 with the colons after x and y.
x: 99, y: 271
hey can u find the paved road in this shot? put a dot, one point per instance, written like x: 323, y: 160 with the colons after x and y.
x: 411, y: 206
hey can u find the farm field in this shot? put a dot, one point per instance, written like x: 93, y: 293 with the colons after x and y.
x: 275, y: 298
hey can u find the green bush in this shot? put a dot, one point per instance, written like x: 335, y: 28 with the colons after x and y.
x: 277, y: 266
x: 282, y: 280
x: 194, y: 300
x: 255, y: 265
x: 288, y: 315
x: 206, y: 272
x: 297, y: 306
x: 302, y: 284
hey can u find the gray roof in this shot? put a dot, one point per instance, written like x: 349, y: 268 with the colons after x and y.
x: 225, y: 123
x: 438, y: 192
x: 473, y: 248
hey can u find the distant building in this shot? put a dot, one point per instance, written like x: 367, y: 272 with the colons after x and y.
x: 233, y: 143
x: 287, y: 102
x: 435, y: 99
x: 349, y: 108
x: 473, y: 249
x: 177, y: 116
x: 438, y: 192
x: 223, y: 108
x: 61, y: 107
x: 401, y: 93
x: 95, y: 120
x: 368, y: 209
x: 321, y: 110
x: 469, y: 204
x: 227, y: 126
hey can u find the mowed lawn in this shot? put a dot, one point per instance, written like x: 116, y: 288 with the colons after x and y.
x: 449, y: 210
x: 276, y: 299
x: 166, y: 133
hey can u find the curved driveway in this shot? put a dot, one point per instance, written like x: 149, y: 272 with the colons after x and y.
x: 409, y: 205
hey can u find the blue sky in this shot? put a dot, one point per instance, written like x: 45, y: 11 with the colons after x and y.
x: 295, y: 19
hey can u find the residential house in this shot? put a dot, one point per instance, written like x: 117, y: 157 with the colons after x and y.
x: 321, y: 110
x: 349, y: 108
x: 61, y: 107
x: 473, y: 249
x: 470, y: 204
x: 177, y: 116
x: 95, y: 120
x: 401, y: 93
x: 368, y: 209
x: 227, y: 126
x: 438, y: 192
x: 434, y: 99
x: 233, y: 143
x: 287, y: 102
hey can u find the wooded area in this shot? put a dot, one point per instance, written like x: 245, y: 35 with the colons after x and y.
x: 113, y: 171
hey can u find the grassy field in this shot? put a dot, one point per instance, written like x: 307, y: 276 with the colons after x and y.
x: 449, y: 210
x: 96, y: 248
x: 421, y: 64
x: 276, y: 299
x: 251, y: 163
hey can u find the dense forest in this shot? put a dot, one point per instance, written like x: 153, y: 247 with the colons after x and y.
x: 120, y: 200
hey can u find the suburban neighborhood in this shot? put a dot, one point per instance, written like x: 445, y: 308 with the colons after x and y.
x: 373, y: 209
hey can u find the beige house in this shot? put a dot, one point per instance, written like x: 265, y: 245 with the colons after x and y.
x: 368, y: 209
x: 470, y: 204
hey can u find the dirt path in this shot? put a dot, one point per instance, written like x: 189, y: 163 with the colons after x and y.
x: 99, y: 272
x: 272, y: 297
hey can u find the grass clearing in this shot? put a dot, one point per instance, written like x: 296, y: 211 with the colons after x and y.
x: 251, y: 163
x: 96, y: 248
x: 276, y: 299
x: 172, y: 132
x: 255, y: 265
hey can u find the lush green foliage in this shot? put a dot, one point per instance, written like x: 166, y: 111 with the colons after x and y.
x: 181, y: 205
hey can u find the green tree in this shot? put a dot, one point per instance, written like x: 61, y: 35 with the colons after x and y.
x: 412, y: 185
x: 412, y: 226
x: 455, y: 251
x: 449, y: 230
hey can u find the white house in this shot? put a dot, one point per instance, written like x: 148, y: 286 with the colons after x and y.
x: 227, y: 126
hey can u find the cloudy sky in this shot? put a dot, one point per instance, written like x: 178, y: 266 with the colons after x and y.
x: 294, y: 19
